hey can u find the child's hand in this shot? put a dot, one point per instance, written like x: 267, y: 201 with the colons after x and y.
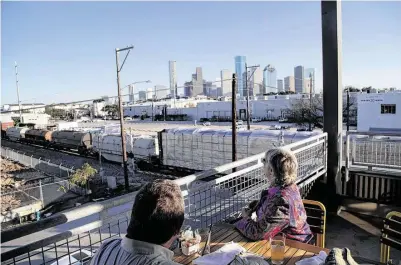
x: 246, y: 212
x: 253, y: 205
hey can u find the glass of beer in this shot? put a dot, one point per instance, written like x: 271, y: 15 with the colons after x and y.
x: 277, y: 244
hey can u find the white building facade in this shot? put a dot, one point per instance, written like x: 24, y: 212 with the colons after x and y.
x: 379, y: 112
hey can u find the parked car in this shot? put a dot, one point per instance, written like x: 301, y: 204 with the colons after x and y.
x: 240, y: 122
x: 240, y: 128
x: 79, y: 257
x: 207, y: 123
x: 256, y: 120
x: 283, y: 120
x: 128, y: 119
x: 303, y: 129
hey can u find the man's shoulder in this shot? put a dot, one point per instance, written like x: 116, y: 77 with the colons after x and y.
x: 169, y: 262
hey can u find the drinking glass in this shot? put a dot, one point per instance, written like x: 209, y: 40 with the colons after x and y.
x: 277, y: 244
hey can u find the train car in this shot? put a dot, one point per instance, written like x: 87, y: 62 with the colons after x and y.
x: 4, y: 127
x: 38, y: 136
x: 139, y: 147
x: 16, y: 133
x: 82, y: 141
x: 203, y: 149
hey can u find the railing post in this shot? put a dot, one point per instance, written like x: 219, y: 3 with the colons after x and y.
x: 346, y: 177
x: 41, y: 192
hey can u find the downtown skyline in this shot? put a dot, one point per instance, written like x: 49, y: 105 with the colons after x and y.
x: 85, y: 34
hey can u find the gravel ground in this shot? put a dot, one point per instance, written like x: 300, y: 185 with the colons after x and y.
x: 15, y: 170
x: 68, y: 160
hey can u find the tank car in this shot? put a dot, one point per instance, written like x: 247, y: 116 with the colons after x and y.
x: 81, y: 141
x: 38, y: 136
x: 16, y: 133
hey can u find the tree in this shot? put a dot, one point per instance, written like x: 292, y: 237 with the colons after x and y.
x: 305, y: 111
x: 83, y: 175
x: 112, y: 110
x: 55, y: 113
x: 351, y: 89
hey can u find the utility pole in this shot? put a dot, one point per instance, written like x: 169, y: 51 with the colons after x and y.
x: 347, y: 109
x: 234, y: 118
x: 121, y: 111
x: 248, y: 117
x: 16, y: 83
x: 310, y: 102
x: 248, y: 123
x: 153, y: 100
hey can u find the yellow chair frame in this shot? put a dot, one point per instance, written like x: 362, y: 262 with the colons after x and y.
x: 320, y: 237
x: 385, y: 249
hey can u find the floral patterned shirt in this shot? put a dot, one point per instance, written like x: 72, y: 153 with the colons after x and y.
x: 280, y: 209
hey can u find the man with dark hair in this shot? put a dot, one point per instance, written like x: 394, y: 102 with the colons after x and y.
x: 156, y: 220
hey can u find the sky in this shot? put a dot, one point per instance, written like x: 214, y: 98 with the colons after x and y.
x: 66, y: 50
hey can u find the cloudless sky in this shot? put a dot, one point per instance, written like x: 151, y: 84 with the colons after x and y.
x: 65, y: 50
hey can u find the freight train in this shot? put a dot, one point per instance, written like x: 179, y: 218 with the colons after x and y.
x: 60, y: 140
x: 182, y: 148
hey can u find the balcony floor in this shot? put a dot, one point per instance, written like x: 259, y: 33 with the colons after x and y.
x: 361, y: 234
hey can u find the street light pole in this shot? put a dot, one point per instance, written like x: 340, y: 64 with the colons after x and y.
x: 17, y: 84
x: 347, y: 109
x: 310, y: 102
x: 121, y: 111
x: 248, y: 117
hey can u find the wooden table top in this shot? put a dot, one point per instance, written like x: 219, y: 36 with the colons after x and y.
x: 221, y: 235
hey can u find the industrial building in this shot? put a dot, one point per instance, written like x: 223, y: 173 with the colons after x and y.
x: 379, y: 112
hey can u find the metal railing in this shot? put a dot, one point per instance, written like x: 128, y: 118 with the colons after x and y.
x: 373, y: 152
x: 43, y: 166
x: 208, y: 202
x: 211, y: 196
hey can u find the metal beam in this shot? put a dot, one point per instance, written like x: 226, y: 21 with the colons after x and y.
x: 332, y: 93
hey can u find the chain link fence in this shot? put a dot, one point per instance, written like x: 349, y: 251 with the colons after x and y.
x: 43, y: 166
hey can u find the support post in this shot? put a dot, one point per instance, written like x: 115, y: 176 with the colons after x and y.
x: 310, y: 102
x: 234, y: 118
x: 332, y: 95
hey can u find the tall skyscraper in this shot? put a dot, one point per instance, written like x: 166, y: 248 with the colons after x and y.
x: 149, y: 93
x: 131, y: 93
x: 188, y: 89
x: 161, y: 91
x: 270, y: 79
x: 142, y: 95
x: 310, y: 72
x: 240, y: 71
x: 307, y: 85
x: 226, y: 76
x: 256, y: 82
x: 173, y: 78
x: 197, y: 82
x: 280, y: 85
x: 289, y: 84
x: 207, y: 88
x: 299, y: 79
